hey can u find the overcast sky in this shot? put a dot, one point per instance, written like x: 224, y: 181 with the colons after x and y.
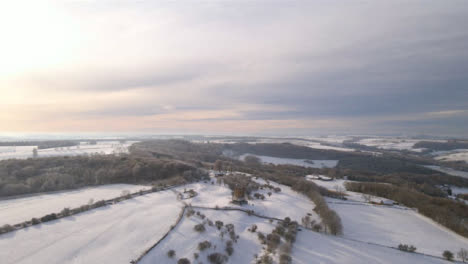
x: 234, y: 67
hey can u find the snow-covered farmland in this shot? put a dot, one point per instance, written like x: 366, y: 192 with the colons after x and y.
x: 454, y: 155
x: 20, y: 209
x: 101, y: 147
x: 316, y: 145
x: 315, y: 248
x: 449, y: 171
x: 110, y: 234
x: 297, y: 162
x: 184, y: 239
x: 13, y: 152
x: 286, y: 203
x: 391, y: 226
x: 391, y: 143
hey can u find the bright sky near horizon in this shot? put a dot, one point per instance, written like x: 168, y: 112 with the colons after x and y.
x: 256, y: 66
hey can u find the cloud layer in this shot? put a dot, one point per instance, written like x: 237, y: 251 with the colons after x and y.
x: 238, y: 67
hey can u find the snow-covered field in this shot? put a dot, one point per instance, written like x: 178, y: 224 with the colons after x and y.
x: 391, y: 143
x: 184, y: 239
x: 392, y: 226
x: 101, y: 147
x: 315, y: 248
x: 297, y: 162
x: 320, y: 146
x: 286, y: 203
x: 20, y: 152
x: 14, y: 211
x: 110, y: 234
x: 449, y: 171
x: 454, y: 155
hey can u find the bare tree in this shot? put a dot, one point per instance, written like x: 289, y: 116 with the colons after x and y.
x: 463, y: 254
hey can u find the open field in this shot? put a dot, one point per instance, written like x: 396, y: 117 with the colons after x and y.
x: 14, y: 211
x: 101, y: 147
x: 392, y: 226
x: 286, y: 203
x: 315, y: 248
x: 110, y: 234
x: 297, y: 162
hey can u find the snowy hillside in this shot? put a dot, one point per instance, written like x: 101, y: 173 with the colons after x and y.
x: 110, y: 234
x: 20, y: 209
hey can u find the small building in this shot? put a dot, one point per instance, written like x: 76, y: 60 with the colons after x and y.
x: 239, y: 196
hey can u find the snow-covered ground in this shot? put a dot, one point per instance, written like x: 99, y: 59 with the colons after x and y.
x: 315, y: 248
x: 12, y: 152
x: 286, y: 203
x: 391, y: 143
x: 101, y: 147
x: 110, y: 234
x: 321, y: 146
x: 458, y: 190
x: 392, y: 226
x: 339, y: 185
x: 297, y: 162
x: 14, y: 211
x: 184, y: 239
x: 449, y: 171
x: 453, y: 155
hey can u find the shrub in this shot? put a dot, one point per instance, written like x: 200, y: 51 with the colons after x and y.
x: 448, y: 255
x: 204, y: 245
x: 273, y: 240
x: 463, y: 254
x: 229, y: 248
x: 285, y: 259
x: 171, y: 253
x: 35, y: 221
x: 183, y: 261
x: 49, y: 217
x: 407, y: 248
x: 253, y: 228
x: 199, y: 228
x: 195, y: 255
x: 217, y: 258
x: 65, y: 212
x: 266, y: 259
x: 190, y: 212
x: 261, y: 237
x: 219, y: 224
x: 6, y: 228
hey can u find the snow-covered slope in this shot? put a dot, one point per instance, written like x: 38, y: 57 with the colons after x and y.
x: 110, y: 234
x: 392, y: 226
x: 315, y: 248
x: 184, y: 239
x: 14, y: 211
x: 286, y: 203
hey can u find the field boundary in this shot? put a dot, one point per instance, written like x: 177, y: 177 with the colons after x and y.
x: 83, y: 208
